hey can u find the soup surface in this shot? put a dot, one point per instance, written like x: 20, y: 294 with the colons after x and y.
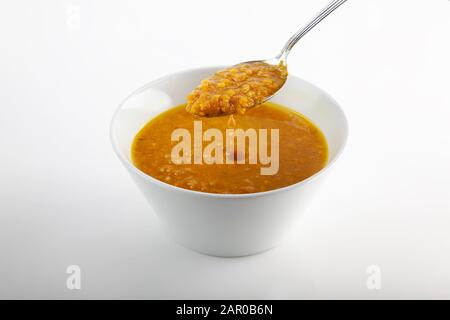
x: 236, y: 89
x: 302, y: 149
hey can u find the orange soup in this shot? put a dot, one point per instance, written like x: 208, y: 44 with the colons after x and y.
x: 279, y: 147
x: 236, y: 89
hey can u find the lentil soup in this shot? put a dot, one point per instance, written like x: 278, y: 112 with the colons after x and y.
x: 236, y: 89
x: 303, y: 151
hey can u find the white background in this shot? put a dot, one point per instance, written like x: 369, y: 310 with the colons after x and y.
x: 65, y: 198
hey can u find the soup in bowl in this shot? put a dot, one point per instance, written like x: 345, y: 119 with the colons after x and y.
x: 211, y: 195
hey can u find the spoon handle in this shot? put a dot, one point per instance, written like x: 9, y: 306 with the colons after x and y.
x: 299, y: 34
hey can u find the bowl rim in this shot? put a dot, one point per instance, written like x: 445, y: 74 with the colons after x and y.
x: 167, y: 186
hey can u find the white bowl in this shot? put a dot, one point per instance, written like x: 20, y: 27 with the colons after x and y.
x: 216, y: 224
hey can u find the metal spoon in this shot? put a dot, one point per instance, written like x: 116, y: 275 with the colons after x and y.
x: 198, y: 108
x: 282, y: 56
